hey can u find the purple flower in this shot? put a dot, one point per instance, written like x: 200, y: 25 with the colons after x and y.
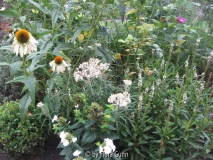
x: 181, y: 20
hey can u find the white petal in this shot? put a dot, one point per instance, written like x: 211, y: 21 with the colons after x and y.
x: 51, y: 63
x: 64, y: 63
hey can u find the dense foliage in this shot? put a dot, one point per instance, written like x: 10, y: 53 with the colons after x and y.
x: 20, y: 136
x: 116, y: 77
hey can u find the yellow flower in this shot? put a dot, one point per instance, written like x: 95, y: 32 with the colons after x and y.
x: 24, y: 43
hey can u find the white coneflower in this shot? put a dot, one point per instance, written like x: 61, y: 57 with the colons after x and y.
x: 58, y: 65
x: 24, y: 43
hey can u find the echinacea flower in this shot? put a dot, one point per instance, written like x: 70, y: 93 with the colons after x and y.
x: 58, y: 65
x: 24, y: 43
x: 181, y: 20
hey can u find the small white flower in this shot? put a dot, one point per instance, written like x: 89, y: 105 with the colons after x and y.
x: 63, y: 135
x: 108, y: 147
x: 74, y: 139
x: 146, y: 90
x: 92, y: 69
x: 120, y: 99
x: 24, y: 43
x: 40, y: 104
x: 76, y: 106
x: 68, y: 68
x: 58, y: 65
x: 55, y: 118
x: 65, y: 142
x: 127, y: 82
x: 109, y: 142
x: 77, y: 153
x: 101, y: 149
x: 98, y: 44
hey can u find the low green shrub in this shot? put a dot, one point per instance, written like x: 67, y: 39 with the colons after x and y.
x: 20, y: 136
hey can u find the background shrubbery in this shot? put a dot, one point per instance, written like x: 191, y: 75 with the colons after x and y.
x: 169, y: 64
x: 20, y: 136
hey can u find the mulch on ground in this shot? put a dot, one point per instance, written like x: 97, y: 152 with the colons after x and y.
x: 50, y: 152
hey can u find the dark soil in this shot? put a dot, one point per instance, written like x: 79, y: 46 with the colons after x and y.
x: 50, y: 152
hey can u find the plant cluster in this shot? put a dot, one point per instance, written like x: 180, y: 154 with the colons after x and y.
x: 20, y: 136
x: 115, y: 79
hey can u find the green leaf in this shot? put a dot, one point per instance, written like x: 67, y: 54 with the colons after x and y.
x: 30, y: 82
x: 4, y: 64
x: 168, y: 158
x: 55, y: 15
x: 22, y: 18
x: 14, y: 68
x: 62, y: 46
x: 60, y: 53
x: 111, y: 135
x: 195, y: 145
x: 46, y: 45
x: 89, y: 123
x: 9, y: 48
x: 122, y: 11
x: 7, y: 13
x: 105, y: 54
x: 180, y: 36
x: 85, y: 26
x: 88, y: 137
x: 75, y: 126
x: 44, y: 10
x: 24, y: 104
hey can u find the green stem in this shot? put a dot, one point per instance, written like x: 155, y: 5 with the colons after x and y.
x: 93, y: 30
x: 24, y: 67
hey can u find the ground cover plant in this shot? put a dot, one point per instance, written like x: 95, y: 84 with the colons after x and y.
x: 114, y: 79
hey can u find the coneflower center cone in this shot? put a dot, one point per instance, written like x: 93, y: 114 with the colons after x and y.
x: 58, y: 60
x: 22, y: 36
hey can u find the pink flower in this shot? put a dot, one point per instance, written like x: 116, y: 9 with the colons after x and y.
x: 181, y: 20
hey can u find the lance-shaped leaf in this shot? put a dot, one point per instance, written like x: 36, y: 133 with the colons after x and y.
x: 122, y: 11
x: 24, y: 104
